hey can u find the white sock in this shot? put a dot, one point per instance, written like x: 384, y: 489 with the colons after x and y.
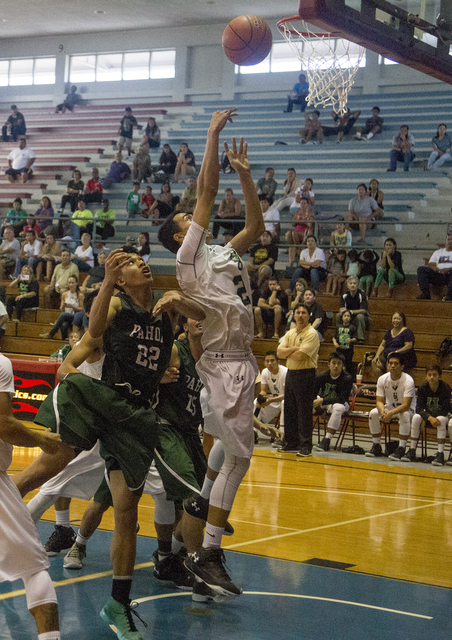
x: 413, y: 444
x: 376, y: 439
x: 207, y: 488
x: 441, y: 448
x: 358, y: 134
x: 49, y: 635
x: 402, y: 443
x: 63, y: 518
x: 212, y: 536
x: 176, y: 545
x: 81, y: 539
x: 370, y: 135
x: 329, y: 435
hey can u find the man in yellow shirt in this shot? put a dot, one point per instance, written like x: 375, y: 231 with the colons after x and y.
x: 300, y: 347
x: 83, y: 218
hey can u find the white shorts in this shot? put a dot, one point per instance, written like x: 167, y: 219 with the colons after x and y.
x: 230, y: 388
x: 268, y: 414
x: 21, y: 551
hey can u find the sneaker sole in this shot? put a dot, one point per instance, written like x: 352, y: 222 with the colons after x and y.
x: 219, y: 591
x: 110, y: 623
x: 437, y: 464
x: 320, y: 449
x: 72, y: 565
x: 395, y: 458
x: 304, y: 455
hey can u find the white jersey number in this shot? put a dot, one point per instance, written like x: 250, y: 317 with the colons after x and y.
x: 146, y: 358
x: 191, y: 408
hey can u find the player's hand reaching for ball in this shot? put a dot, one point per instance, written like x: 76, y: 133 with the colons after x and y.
x: 114, y: 263
x: 238, y: 158
x: 220, y: 118
x: 170, y: 375
x: 50, y: 442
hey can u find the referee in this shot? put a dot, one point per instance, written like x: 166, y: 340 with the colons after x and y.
x: 300, y: 347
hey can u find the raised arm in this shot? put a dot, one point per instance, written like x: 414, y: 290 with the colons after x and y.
x: 105, y: 306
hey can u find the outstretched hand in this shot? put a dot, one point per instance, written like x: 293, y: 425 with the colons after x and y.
x: 238, y: 159
x: 220, y: 118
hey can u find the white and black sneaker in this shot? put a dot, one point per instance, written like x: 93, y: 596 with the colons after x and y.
x: 439, y: 459
x: 62, y: 538
x: 398, y: 454
x: 208, y: 565
x: 324, y: 445
x: 203, y: 593
x: 410, y: 456
x: 172, y: 569
x: 376, y: 451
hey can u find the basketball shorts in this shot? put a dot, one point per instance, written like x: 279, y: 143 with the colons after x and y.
x: 152, y: 487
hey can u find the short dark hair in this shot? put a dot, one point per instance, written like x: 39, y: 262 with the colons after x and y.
x: 336, y: 356
x: 81, y: 200
x: 14, y: 106
x: 291, y: 169
x: 271, y: 353
x: 397, y: 356
x: 362, y: 185
x: 89, y: 299
x: 166, y: 233
x: 434, y: 367
x: 311, y: 290
x: 273, y: 277
x: 269, y: 169
x: 311, y: 236
x: 300, y: 304
x: 31, y: 231
x: 135, y: 182
x: 316, y: 111
x: 377, y: 108
x: 64, y: 249
x: 128, y: 109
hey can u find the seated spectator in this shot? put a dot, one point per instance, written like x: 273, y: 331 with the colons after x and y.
x: 74, y: 190
x: 352, y: 263
x: 391, y: 269
x: 317, y: 316
x: 367, y: 270
x: 93, y: 190
x: 20, y: 162
x: 270, y: 401
x: 312, y: 265
x: 262, y: 260
x: 96, y: 276
x: 133, y: 202
x: 332, y: 390
x: 291, y: 184
x: 341, y: 237
x: 28, y: 293
x: 373, y: 125
x: 442, y: 149
x: 302, y: 227
x: 118, y: 172
x: 106, y: 218
x: 363, y: 209
x: 70, y: 101
x: 438, y: 271
x: 272, y: 219
x: 84, y: 256
x: 81, y: 318
x: 44, y: 215
x: 186, y: 164
x: 266, y: 187
x: 148, y: 205
x: 125, y: 131
x: 152, y: 134
x: 230, y: 210
x: 376, y: 193
x: 298, y: 94
x: 59, y: 281
x: 305, y: 192
x: 141, y: 165
x: 9, y: 252
x: 432, y: 410
x: 300, y: 287
x: 73, y: 338
x: 271, y: 308
x: 166, y: 200
x: 67, y: 231
x: 399, y: 339
x: 83, y: 218
x: 142, y: 245
x: 16, y: 217
x: 167, y: 161
x: 343, y: 124
x: 31, y: 224
x: 312, y: 127
x: 48, y: 257
x: 15, y: 126
x: 336, y: 272
x: 29, y: 252
x: 402, y: 149
x: 355, y: 301
x: 344, y: 339
x: 396, y: 398
x: 71, y: 302
x: 189, y: 196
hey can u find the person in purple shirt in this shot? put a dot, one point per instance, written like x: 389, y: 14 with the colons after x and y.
x: 119, y: 171
x: 44, y: 215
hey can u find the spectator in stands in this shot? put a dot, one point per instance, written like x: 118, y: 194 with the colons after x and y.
x: 270, y: 401
x: 9, y: 252
x: 262, y: 260
x: 59, y: 281
x: 376, y: 193
x: 266, y: 187
x: 344, y: 339
x: 67, y: 231
x: 402, y: 149
x: 391, y: 268
x: 438, y: 271
x: 189, y: 196
x: 142, y: 245
x: 317, y: 316
x: 28, y: 293
x: 31, y: 224
x: 367, y: 270
x: 272, y: 219
x: 332, y: 390
x: 355, y: 301
x: 363, y: 209
x: 70, y: 101
x: 228, y: 214
x: 341, y: 237
x: 152, y: 134
x: 186, y: 164
x: 29, y: 252
x: 118, y: 172
x: 96, y: 276
x: 167, y: 160
x: 44, y: 215
x: 395, y: 401
x: 74, y: 190
x: 336, y: 272
x: 399, y: 339
x: 312, y: 127
x: 298, y: 94
x: 71, y: 302
x: 73, y: 338
x: 106, y: 218
x: 271, y: 308
x: 312, y: 265
x: 16, y: 217
x: 93, y: 190
x: 84, y: 256
x: 141, y: 165
x: 148, y: 205
x: 302, y: 227
x: 48, y: 257
x: 442, y: 149
x: 83, y: 217
x: 343, y: 124
x: 125, y: 131
x: 433, y: 410
x: 300, y: 287
x: 291, y: 184
x: 133, y: 202
x: 166, y: 200
x: 20, y: 162
x: 373, y: 125
x: 352, y: 263
x: 300, y: 347
x: 14, y: 126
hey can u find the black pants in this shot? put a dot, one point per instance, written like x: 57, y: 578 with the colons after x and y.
x: 108, y: 231
x: 298, y: 404
x: 234, y: 225
x: 20, y: 305
x: 72, y: 198
x: 427, y: 276
x: 15, y: 133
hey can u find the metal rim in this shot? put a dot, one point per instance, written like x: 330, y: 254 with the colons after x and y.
x: 306, y: 34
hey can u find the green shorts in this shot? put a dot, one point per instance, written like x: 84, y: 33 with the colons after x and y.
x: 103, y: 494
x: 184, y: 455
x: 83, y: 410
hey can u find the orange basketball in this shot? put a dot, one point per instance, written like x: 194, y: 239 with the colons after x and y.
x: 247, y: 40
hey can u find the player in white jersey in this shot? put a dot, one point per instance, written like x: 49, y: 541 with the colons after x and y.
x: 217, y: 278
x: 270, y: 401
x: 396, y: 399
x: 21, y: 553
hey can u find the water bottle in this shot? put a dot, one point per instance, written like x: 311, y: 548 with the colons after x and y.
x: 60, y: 356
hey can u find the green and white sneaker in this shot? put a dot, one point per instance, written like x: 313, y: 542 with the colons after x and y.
x: 74, y: 557
x: 119, y: 615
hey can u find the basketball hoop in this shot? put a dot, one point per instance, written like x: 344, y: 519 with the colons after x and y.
x: 331, y: 64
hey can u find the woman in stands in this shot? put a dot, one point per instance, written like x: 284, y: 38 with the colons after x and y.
x: 186, y: 164
x: 28, y: 293
x: 442, y: 149
x: 152, y: 134
x: 75, y: 187
x: 312, y: 265
x: 48, y: 257
x: 84, y: 256
x: 399, y: 339
x: 142, y: 245
x: 167, y: 161
x: 167, y: 201
x: 291, y: 184
x: 376, y: 193
x: 44, y: 215
x: 301, y: 229
x: 71, y: 302
x: 391, y: 269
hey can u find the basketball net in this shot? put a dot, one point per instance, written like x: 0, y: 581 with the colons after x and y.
x: 330, y: 63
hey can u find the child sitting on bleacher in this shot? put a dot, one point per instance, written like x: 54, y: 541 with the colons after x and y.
x: 352, y: 263
x: 73, y: 338
x: 133, y: 202
x: 336, y: 272
x: 367, y: 270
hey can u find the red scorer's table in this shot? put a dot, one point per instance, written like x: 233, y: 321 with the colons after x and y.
x: 33, y: 381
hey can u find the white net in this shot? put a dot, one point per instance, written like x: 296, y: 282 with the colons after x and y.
x: 330, y: 64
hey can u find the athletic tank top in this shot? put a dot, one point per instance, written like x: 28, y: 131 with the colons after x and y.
x: 137, y: 349
x: 92, y: 369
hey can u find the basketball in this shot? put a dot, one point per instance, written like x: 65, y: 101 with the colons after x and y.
x: 247, y: 40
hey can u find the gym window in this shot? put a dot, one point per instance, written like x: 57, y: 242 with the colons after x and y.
x: 27, y: 71
x: 108, y: 67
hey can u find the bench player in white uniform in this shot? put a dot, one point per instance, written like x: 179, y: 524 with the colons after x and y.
x: 217, y: 278
x: 21, y: 553
x: 273, y: 378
